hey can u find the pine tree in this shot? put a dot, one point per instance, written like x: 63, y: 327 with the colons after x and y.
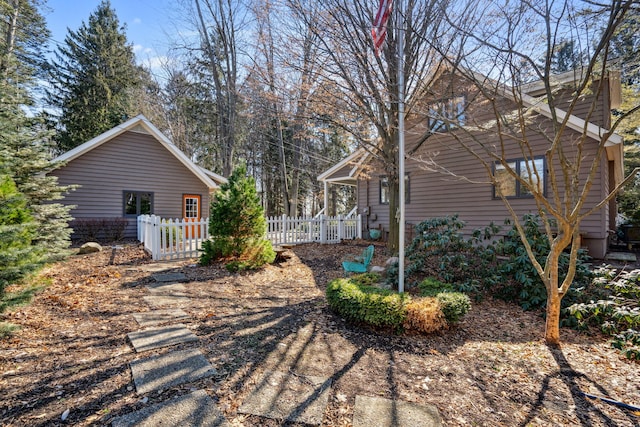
x: 237, y: 227
x: 24, y: 147
x: 18, y: 256
x: 92, y: 79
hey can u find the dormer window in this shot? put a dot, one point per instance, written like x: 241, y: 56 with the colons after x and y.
x: 447, y: 114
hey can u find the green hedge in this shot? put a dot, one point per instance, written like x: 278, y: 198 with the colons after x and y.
x: 454, y: 305
x: 357, y: 300
x: 368, y: 304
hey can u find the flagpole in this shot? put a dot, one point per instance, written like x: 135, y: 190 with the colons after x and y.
x: 401, y: 233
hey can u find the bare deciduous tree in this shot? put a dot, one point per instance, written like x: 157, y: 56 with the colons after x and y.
x: 547, y: 125
x: 361, y: 90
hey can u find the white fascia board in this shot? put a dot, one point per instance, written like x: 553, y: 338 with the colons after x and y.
x: 359, y: 152
x: 574, y: 122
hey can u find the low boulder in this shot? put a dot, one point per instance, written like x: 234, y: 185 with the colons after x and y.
x: 89, y: 248
x: 392, y: 261
x: 377, y: 269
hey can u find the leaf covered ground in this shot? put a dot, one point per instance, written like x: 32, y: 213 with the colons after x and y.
x: 71, y: 355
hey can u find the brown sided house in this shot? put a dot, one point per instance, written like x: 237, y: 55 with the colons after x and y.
x: 443, y: 179
x: 130, y: 170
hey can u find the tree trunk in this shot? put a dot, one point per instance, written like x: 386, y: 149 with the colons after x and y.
x: 552, y: 324
x: 10, y: 41
x: 394, y: 229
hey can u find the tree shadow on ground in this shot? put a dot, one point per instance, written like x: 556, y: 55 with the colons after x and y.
x: 586, y: 411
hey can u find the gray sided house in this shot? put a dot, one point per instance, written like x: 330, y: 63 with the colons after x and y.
x: 130, y: 170
x: 443, y: 179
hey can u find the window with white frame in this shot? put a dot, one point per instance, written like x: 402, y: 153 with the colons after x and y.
x: 384, y: 189
x: 447, y: 114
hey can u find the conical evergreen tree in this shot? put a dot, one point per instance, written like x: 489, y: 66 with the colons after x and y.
x: 237, y: 227
x: 18, y: 256
x: 92, y: 79
x: 24, y: 148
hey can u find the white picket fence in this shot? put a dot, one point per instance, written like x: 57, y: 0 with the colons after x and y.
x: 282, y: 230
x: 179, y: 239
x: 172, y: 238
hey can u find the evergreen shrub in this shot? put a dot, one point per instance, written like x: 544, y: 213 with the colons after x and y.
x: 441, y: 251
x: 618, y: 312
x: 520, y: 281
x: 237, y: 227
x: 454, y: 305
x: 430, y: 287
x: 367, y: 304
x: 18, y: 257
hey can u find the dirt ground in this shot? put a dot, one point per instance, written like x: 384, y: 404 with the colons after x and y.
x: 493, y: 369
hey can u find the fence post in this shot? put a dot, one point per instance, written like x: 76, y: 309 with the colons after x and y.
x: 155, y: 237
x: 359, y: 226
x: 323, y: 229
x: 340, y: 228
x: 284, y: 229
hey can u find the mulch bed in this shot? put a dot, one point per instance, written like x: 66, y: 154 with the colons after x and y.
x: 492, y: 369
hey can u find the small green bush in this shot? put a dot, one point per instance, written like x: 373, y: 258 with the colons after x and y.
x: 520, y: 281
x: 616, y: 314
x: 431, y: 287
x: 237, y: 226
x: 441, y: 251
x: 454, y: 305
x: 366, y: 279
x: 371, y: 305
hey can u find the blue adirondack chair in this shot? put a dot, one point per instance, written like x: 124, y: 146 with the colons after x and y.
x: 359, y: 264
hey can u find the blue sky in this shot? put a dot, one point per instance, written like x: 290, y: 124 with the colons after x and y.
x: 149, y: 23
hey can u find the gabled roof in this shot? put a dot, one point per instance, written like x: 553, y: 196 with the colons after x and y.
x: 357, y: 158
x: 574, y: 122
x: 141, y: 124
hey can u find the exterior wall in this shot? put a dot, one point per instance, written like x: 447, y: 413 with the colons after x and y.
x: 595, y: 111
x: 132, y: 161
x: 456, y: 182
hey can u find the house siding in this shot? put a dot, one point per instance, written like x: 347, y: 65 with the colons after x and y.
x: 442, y: 192
x: 132, y: 161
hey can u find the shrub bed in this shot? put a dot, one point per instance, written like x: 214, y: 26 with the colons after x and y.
x: 363, y: 303
x: 357, y: 300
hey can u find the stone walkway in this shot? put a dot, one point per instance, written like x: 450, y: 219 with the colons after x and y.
x: 284, y: 396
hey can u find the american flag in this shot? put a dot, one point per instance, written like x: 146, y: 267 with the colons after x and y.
x: 379, y: 30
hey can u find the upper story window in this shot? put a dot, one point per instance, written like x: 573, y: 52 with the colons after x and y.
x: 447, y: 114
x: 384, y: 189
x: 509, y: 186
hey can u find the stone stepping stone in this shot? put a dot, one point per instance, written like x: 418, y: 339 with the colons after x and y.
x: 169, y: 277
x: 168, y: 370
x: 163, y: 336
x: 166, y: 288
x: 381, y: 412
x: 157, y: 301
x: 291, y: 397
x: 193, y: 409
x: 155, y: 317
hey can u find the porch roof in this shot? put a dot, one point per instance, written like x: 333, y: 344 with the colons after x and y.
x: 345, y: 172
